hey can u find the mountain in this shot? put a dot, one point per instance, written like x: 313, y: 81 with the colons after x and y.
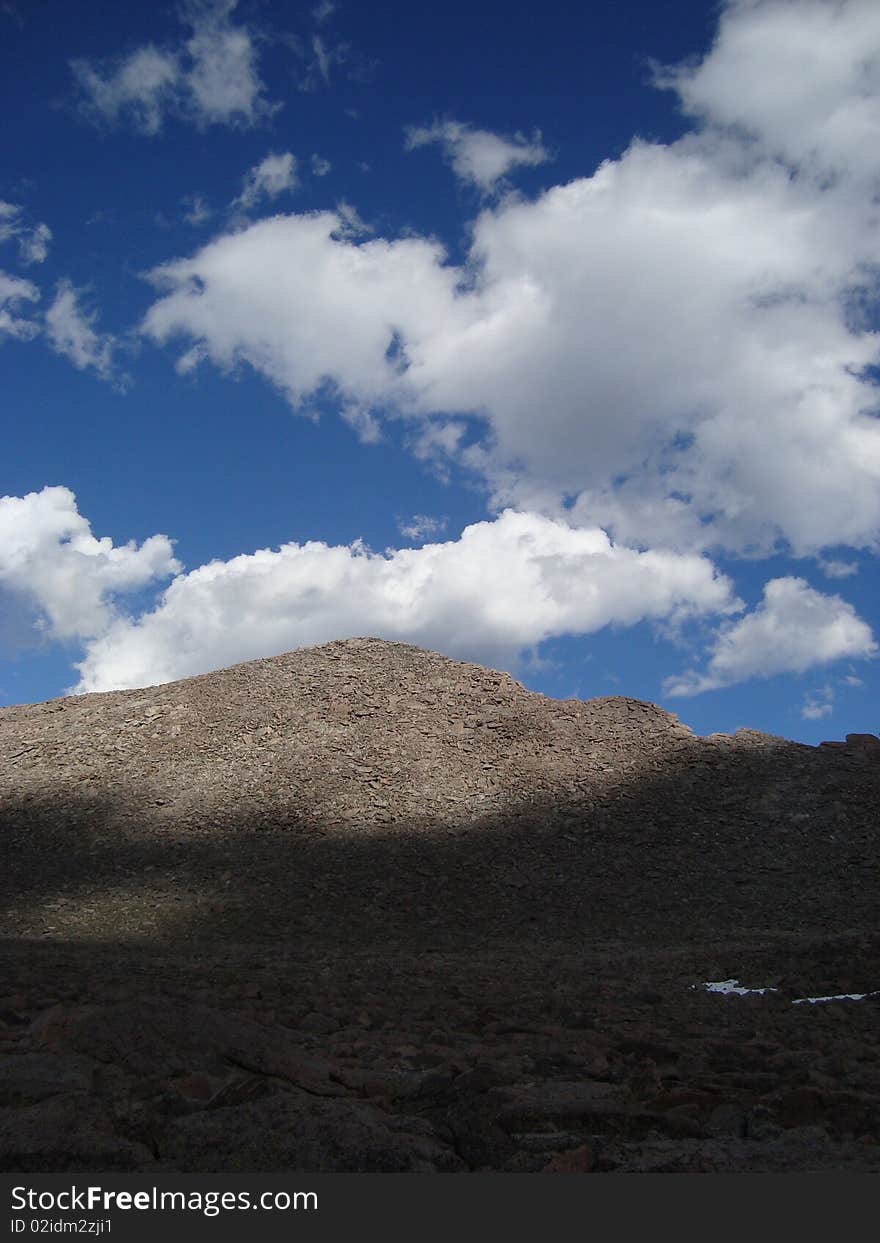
x: 421, y: 871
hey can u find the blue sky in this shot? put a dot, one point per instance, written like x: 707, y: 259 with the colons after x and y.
x: 544, y: 338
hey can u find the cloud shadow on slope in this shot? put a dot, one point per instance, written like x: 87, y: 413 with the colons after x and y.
x: 744, y: 845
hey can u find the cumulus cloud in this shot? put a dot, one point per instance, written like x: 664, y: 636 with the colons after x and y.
x: 13, y: 292
x: 671, y: 348
x: 502, y: 586
x: 272, y: 176
x: 300, y: 300
x: 793, y: 629
x: 802, y: 79
x: 212, y: 79
x: 59, y: 575
x: 320, y: 166
x: 71, y: 333
x: 477, y: 155
x: 33, y: 239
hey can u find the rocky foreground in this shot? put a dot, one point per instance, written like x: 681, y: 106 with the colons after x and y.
x: 360, y: 907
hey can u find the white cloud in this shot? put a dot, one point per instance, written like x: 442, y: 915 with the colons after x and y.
x: 71, y: 333
x: 320, y: 166
x: 802, y: 79
x: 501, y: 587
x: 34, y: 246
x: 9, y: 214
x: 140, y: 89
x: 351, y: 224
x: 53, y: 567
x: 14, y: 291
x: 366, y: 425
x: 272, y: 176
x: 420, y: 525
x: 33, y: 240
x: 299, y: 300
x: 477, y: 155
x: 818, y: 703
x: 670, y: 346
x: 838, y: 569
x: 212, y: 79
x: 793, y: 629
x: 223, y: 80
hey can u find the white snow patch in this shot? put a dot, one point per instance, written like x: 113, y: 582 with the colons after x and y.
x: 801, y: 1001
x: 733, y: 986
x: 728, y: 987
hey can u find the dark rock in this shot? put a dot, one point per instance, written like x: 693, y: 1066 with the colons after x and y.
x: 320, y: 1024
x: 296, y: 1133
x: 727, y: 1120
x: 177, y: 1039
x: 26, y: 1078
x: 579, y: 1160
x: 867, y: 743
x: 65, y: 1134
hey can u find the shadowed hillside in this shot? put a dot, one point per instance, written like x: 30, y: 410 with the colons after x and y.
x: 365, y: 813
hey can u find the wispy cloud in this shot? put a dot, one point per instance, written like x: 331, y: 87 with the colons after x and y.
x: 141, y: 89
x: 351, y: 223
x: 197, y: 210
x: 818, y: 703
x: 321, y: 12
x: 421, y: 526
x: 323, y: 57
x: 223, y: 81
x: 477, y: 155
x: 32, y: 239
x: 13, y: 292
x: 34, y: 247
x: 210, y: 79
x: 71, y: 333
x: 274, y: 175
x: 838, y: 569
